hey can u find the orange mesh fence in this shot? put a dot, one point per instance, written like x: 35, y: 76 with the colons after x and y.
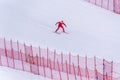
x: 107, y: 70
x: 57, y: 66
x: 116, y: 71
x: 117, y: 6
x: 112, y: 5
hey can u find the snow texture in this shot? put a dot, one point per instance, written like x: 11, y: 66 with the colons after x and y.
x: 93, y: 31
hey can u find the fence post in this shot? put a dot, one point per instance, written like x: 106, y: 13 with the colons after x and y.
x: 86, y: 66
x: 37, y: 63
x: 54, y: 58
x: 79, y: 72
x: 108, y: 5
x: 95, y: 2
x: 62, y: 60
x: 67, y: 71
x: 0, y: 59
x: 0, y: 54
x: 78, y: 63
x: 51, y: 70
x: 31, y: 48
x: 112, y: 70
x: 22, y: 61
x: 33, y: 62
x: 87, y: 73
x: 101, y: 3
x: 69, y: 62
x: 12, y: 52
x: 47, y: 57
x: 25, y: 48
x: 74, y: 72
x: 95, y: 70
x: 6, y: 52
x: 26, y: 54
x: 44, y: 67
x: 18, y: 50
x: 113, y: 5
x: 59, y: 70
x: 40, y: 56
x: 103, y: 69
x: 95, y: 66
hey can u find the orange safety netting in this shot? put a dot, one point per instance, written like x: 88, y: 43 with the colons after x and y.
x: 55, y: 66
x: 112, y: 5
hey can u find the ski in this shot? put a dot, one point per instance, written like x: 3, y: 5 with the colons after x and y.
x: 57, y: 33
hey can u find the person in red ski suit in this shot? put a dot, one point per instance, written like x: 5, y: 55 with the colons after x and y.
x: 60, y: 25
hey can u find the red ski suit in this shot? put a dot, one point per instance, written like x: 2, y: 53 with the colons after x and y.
x: 60, y: 25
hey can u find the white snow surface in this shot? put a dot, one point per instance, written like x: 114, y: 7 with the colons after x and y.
x: 10, y: 74
x: 92, y: 31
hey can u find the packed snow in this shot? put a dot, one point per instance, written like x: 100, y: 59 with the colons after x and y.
x: 92, y: 31
x: 10, y: 74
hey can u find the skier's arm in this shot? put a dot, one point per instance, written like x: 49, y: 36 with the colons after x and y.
x: 56, y: 23
x: 64, y: 24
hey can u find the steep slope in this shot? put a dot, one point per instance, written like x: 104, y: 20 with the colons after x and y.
x: 10, y: 74
x: 92, y: 30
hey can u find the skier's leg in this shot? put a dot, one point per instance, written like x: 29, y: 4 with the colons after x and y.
x: 57, y: 29
x: 63, y: 29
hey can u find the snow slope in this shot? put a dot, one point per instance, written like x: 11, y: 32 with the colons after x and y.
x: 10, y: 74
x: 93, y: 31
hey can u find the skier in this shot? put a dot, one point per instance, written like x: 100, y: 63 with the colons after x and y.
x: 60, y: 25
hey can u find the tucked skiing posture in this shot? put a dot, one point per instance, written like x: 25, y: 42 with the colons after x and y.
x: 60, y: 24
